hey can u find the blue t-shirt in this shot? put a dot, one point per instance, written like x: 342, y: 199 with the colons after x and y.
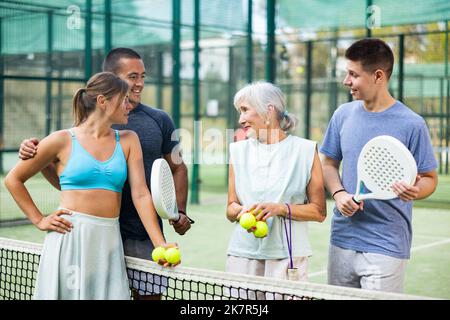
x: 385, y: 225
x: 154, y: 128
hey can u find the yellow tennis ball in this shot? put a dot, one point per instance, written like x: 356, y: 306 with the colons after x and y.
x: 261, y: 229
x: 247, y: 221
x: 172, y: 255
x: 158, y: 254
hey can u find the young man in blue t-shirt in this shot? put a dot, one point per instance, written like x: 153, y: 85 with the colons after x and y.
x: 371, y: 242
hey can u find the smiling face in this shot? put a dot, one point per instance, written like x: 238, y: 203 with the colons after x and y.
x: 133, y: 72
x: 251, y: 122
x: 363, y: 84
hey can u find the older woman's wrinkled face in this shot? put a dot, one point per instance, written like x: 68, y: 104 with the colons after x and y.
x: 252, y: 123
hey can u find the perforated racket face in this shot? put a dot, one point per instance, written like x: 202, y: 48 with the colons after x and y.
x: 163, y: 190
x: 383, y: 161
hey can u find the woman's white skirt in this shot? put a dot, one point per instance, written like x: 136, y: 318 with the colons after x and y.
x: 84, y: 264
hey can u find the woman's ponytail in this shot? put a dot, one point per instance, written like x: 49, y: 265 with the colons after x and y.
x: 84, y: 101
x: 78, y: 107
x: 289, y: 122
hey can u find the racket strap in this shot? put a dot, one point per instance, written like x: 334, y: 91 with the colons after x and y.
x: 289, y: 236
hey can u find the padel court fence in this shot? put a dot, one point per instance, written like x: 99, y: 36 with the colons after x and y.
x: 199, y: 53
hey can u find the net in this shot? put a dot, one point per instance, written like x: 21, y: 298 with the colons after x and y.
x: 19, y: 263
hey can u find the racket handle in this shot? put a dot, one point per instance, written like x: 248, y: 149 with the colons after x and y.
x: 355, y: 201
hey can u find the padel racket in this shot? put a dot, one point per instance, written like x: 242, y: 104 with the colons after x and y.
x: 163, y: 190
x: 383, y: 161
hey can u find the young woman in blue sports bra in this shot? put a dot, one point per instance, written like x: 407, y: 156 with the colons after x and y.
x: 83, y: 255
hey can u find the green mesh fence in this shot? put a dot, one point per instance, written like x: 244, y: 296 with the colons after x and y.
x: 43, y: 61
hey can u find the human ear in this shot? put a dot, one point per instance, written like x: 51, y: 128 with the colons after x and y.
x: 379, y: 75
x: 101, y: 101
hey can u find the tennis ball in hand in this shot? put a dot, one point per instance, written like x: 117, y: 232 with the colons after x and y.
x: 261, y: 229
x: 158, y: 254
x: 247, y: 221
x: 172, y: 255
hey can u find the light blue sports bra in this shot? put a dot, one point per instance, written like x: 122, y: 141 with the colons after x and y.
x: 83, y: 171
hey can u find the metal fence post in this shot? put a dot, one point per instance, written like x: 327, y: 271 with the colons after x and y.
x: 250, y: 41
x: 195, y: 183
x: 88, y: 41
x: 48, y: 81
x: 270, y: 50
x: 176, y: 25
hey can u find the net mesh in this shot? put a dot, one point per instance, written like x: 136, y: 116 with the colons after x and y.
x: 19, y: 262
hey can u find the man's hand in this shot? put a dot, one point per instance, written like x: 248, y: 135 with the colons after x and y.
x: 28, y: 148
x: 346, y: 205
x: 181, y: 225
x: 405, y: 191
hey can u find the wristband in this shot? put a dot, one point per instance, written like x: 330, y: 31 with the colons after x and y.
x: 182, y: 212
x: 340, y: 190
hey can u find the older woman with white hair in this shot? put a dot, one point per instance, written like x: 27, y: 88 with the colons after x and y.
x: 277, y: 175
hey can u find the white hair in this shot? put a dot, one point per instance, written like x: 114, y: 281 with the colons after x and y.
x: 260, y: 95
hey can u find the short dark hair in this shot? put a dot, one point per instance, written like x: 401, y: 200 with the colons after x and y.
x: 111, y: 62
x: 373, y: 54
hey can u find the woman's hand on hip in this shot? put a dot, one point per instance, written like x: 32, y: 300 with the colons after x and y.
x: 54, y: 222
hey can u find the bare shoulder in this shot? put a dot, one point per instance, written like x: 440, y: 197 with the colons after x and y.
x: 128, y: 136
x: 58, y: 139
x: 129, y: 141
